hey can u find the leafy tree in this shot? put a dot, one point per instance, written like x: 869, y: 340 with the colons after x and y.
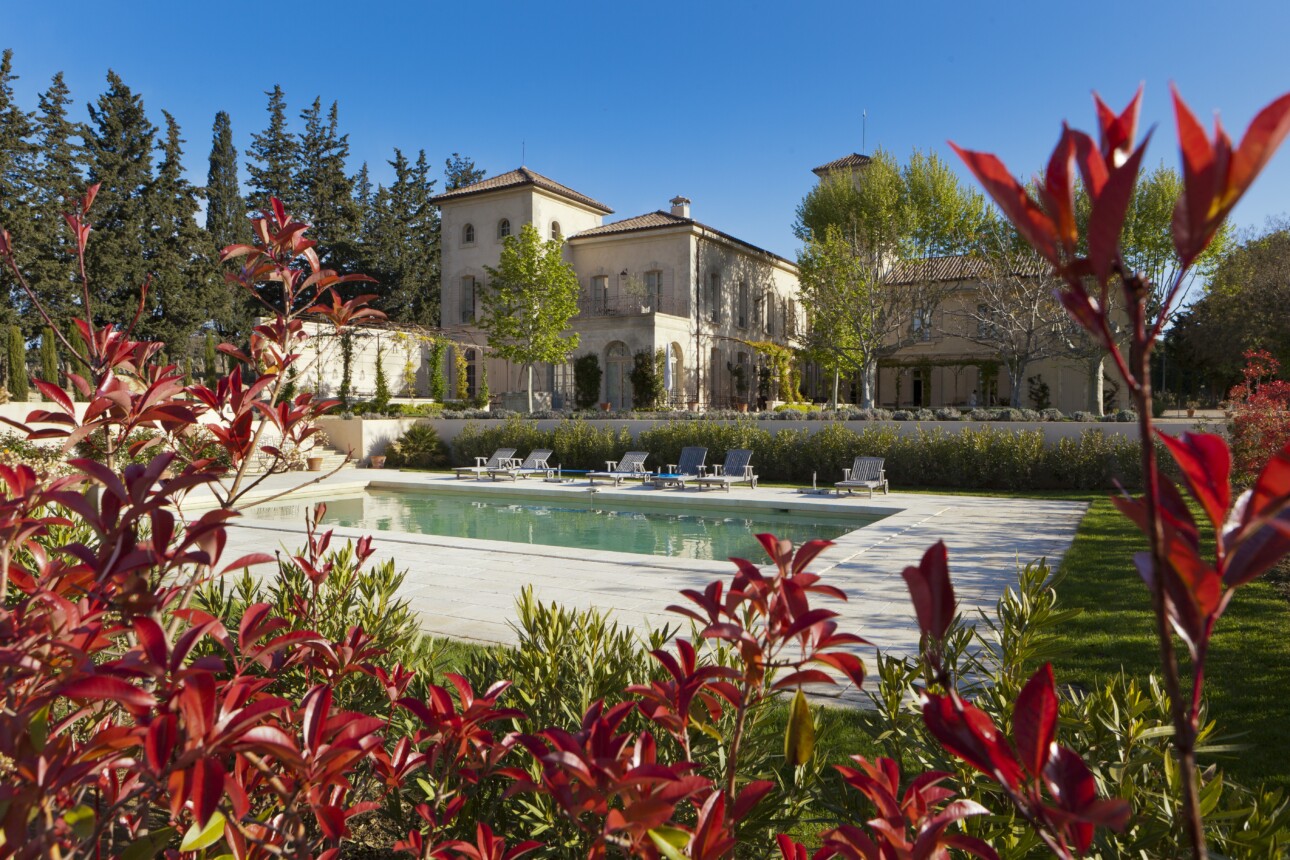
x: 1243, y: 309
x: 51, y: 266
x: 531, y: 298
x: 893, y: 219
x: 119, y: 146
x: 185, y: 291
x: 275, y: 157
x: 460, y: 171
x: 837, y: 292
x: 16, y: 154
x: 18, y: 382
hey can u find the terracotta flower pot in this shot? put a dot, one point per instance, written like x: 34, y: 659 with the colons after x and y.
x: 604, y: 407
x: 378, y: 461
x: 314, y: 463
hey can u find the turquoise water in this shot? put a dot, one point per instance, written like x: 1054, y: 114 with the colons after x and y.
x: 674, y: 531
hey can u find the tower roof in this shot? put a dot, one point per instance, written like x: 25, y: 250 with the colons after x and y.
x: 518, y: 179
x: 846, y: 162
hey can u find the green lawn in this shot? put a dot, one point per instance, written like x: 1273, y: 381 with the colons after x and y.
x: 1248, y: 670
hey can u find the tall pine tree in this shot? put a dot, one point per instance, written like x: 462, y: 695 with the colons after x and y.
x: 16, y: 155
x: 119, y: 145
x: 185, y: 291
x: 56, y: 179
x: 460, y: 171
x: 275, y: 157
x: 326, y: 200
x: 403, y: 251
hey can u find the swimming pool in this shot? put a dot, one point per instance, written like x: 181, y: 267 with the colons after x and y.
x: 673, y: 530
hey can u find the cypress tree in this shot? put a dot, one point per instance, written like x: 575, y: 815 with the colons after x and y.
x: 19, y: 387
x: 209, y: 358
x: 15, y: 169
x: 55, y: 174
x: 226, y: 224
x: 346, y: 367
x: 119, y: 146
x: 226, y: 220
x: 275, y: 157
x: 188, y: 368
x: 381, y: 396
x: 48, y: 357
x: 185, y: 291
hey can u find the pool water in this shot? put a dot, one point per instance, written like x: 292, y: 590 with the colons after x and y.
x: 674, y: 531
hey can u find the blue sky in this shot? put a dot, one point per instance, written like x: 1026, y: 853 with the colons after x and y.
x: 730, y: 104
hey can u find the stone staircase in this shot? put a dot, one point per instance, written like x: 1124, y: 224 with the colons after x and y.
x: 331, y: 457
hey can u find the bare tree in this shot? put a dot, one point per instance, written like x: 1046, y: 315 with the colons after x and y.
x: 1016, y: 313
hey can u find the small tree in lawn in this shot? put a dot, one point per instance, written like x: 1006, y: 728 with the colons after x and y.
x: 48, y: 358
x: 381, y: 397
x: 18, y: 381
x: 534, y: 294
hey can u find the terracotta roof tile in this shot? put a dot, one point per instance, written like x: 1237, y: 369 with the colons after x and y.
x: 661, y: 220
x: 957, y: 267
x: 851, y: 161
x: 518, y: 179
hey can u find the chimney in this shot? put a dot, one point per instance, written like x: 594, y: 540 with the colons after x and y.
x: 681, y: 206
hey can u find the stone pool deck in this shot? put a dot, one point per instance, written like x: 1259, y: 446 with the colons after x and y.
x: 465, y: 589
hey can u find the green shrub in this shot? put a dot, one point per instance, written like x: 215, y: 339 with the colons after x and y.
x: 974, y: 459
x: 586, y: 380
x: 418, y: 448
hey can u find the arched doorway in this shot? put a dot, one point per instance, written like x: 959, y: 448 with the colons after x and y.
x: 618, y: 376
x: 675, y: 375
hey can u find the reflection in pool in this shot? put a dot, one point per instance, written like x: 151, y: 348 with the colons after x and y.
x: 674, y: 531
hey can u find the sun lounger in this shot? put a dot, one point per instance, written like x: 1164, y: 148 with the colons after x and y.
x: 534, y: 464
x: 865, y: 473
x: 630, y: 467
x: 737, y: 469
x: 688, y: 468
x: 501, y: 458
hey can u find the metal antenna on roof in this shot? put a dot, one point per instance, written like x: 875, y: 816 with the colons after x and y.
x: 864, y: 129
x: 523, y: 152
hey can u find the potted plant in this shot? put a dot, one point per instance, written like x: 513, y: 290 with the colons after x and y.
x: 605, y: 406
x: 1191, y: 408
x: 377, y: 461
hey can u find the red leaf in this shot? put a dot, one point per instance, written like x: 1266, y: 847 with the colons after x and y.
x: 1031, y: 221
x: 103, y: 687
x: 1034, y: 720
x: 968, y: 733
x: 206, y: 788
x: 1106, y: 221
x: 931, y: 591
x: 1206, y: 466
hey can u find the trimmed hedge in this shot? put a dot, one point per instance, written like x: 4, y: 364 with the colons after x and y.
x: 972, y: 459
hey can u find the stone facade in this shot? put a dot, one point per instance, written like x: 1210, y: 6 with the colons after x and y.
x: 659, y: 281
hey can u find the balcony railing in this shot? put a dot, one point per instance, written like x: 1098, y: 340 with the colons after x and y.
x: 615, y: 307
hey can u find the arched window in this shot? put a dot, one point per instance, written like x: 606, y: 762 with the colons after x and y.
x: 555, y: 231
x: 468, y: 234
x: 503, y: 228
